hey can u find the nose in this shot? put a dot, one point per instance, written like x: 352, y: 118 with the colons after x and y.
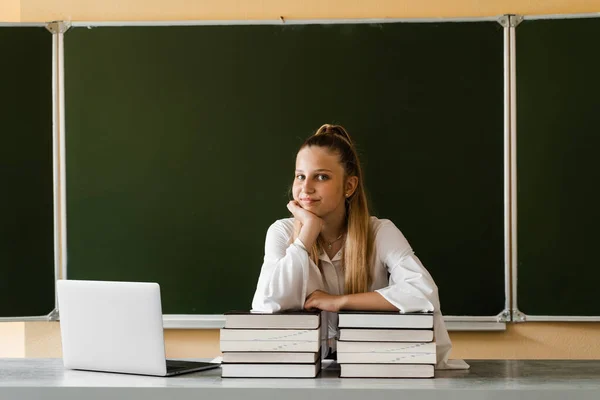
x: 307, y: 187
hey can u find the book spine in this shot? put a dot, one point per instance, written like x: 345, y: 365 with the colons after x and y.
x: 386, y: 335
x: 385, y: 347
x: 270, y: 334
x: 256, y: 323
x: 386, y: 358
x: 379, y: 321
x: 258, y: 345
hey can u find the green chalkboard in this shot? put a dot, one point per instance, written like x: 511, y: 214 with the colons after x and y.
x: 558, y: 121
x: 26, y: 231
x: 181, y: 144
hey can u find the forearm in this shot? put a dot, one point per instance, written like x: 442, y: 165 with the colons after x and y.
x: 280, y: 284
x: 370, y: 301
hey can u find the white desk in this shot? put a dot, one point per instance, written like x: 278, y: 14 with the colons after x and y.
x: 25, y: 379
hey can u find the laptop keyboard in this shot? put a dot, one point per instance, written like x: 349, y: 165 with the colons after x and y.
x: 176, y: 365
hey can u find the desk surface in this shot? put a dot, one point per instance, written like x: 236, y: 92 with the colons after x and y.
x: 35, y: 378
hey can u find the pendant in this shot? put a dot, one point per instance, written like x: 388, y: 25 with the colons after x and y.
x: 329, y: 246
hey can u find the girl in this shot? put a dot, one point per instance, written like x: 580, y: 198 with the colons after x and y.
x: 333, y: 256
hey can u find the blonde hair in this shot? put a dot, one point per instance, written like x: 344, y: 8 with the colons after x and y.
x: 359, y: 241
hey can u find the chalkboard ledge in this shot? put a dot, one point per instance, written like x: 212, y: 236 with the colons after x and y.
x: 52, y: 316
x: 217, y: 321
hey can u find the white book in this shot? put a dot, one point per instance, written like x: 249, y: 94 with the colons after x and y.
x: 270, y: 370
x: 274, y: 335
x: 386, y: 358
x: 386, y: 335
x: 386, y: 371
x: 298, y: 319
x: 270, y: 345
x: 270, y: 357
x: 385, y: 347
x: 386, y: 352
x: 385, y: 319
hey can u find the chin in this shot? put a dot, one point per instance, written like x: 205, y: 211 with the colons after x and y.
x: 313, y: 209
x: 319, y: 213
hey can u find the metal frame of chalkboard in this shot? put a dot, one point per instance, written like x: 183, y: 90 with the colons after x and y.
x: 517, y: 315
x: 53, y: 314
x: 176, y: 321
x: 58, y: 29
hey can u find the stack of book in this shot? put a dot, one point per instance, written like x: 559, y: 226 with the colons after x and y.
x: 276, y: 345
x: 386, y: 345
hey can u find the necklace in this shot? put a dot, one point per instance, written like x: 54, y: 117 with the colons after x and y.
x: 329, y: 244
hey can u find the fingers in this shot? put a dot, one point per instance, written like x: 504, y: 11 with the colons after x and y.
x: 310, y: 304
x: 312, y: 300
x: 292, y: 206
x: 297, y: 211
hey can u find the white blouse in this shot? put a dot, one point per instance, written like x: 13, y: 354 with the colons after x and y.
x: 288, y: 276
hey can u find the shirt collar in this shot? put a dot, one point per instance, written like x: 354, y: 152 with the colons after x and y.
x: 323, y: 256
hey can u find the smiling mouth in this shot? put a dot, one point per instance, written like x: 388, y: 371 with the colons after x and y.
x: 308, y: 201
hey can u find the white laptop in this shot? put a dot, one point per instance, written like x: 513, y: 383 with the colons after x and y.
x: 116, y: 327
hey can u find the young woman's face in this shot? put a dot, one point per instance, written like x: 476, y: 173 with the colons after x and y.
x: 319, y: 181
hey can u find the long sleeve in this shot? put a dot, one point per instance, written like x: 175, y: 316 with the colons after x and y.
x: 411, y: 287
x: 287, y: 275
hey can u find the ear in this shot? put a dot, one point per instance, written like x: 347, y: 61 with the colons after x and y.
x: 350, y: 186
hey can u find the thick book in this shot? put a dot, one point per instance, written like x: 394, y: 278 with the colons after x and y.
x: 273, y: 340
x: 272, y: 335
x: 387, y: 371
x: 258, y: 357
x: 270, y: 345
x: 386, y: 353
x: 280, y: 320
x: 386, y: 358
x: 386, y: 335
x: 271, y: 370
x: 385, y: 319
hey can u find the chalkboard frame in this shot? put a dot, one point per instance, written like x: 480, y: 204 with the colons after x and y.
x: 53, y: 313
x: 518, y: 315
x: 215, y: 321
x: 212, y: 321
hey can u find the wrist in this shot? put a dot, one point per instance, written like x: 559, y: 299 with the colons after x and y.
x: 343, y: 299
x: 313, y: 225
x: 309, y: 233
x: 311, y: 229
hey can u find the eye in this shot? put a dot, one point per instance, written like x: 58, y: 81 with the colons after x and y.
x: 300, y: 177
x: 322, y: 177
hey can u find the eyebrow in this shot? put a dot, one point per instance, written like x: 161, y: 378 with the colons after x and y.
x: 317, y: 170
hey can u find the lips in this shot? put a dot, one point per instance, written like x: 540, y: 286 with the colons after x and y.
x: 308, y: 201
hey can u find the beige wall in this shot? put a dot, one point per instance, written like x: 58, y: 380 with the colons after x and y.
x: 42, y: 339
x: 533, y: 340
x: 47, y: 10
x: 527, y: 340
x: 12, y: 339
x: 10, y: 10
